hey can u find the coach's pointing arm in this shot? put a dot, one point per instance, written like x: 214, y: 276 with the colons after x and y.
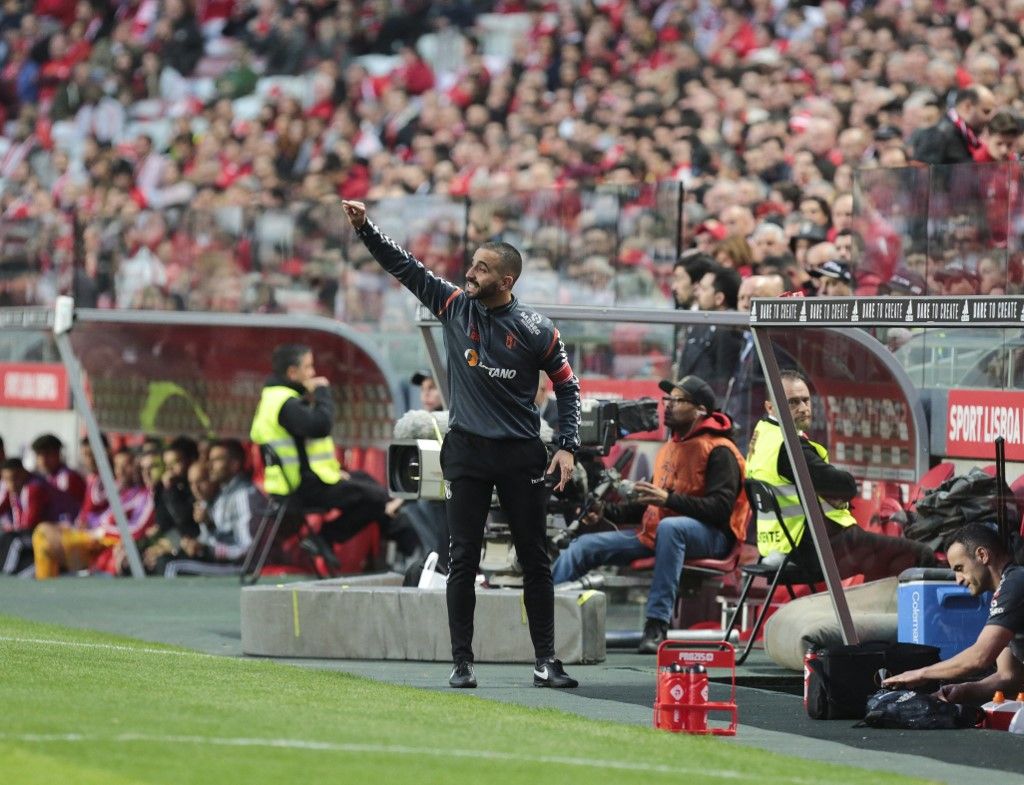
x: 434, y: 292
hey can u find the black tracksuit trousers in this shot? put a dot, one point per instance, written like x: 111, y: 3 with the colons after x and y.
x: 474, y: 466
x: 361, y: 500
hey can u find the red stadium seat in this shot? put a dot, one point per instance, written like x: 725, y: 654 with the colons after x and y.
x: 930, y: 480
x: 375, y: 462
x: 255, y: 461
x: 1017, y: 487
x: 353, y: 459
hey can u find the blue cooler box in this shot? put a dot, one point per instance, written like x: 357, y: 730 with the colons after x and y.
x: 932, y: 609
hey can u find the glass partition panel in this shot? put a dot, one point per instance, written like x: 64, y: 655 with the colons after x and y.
x: 891, y: 218
x: 35, y: 256
x: 610, y: 245
x: 937, y: 230
x: 205, y: 378
x: 27, y: 346
x: 364, y: 296
x: 944, y: 357
x: 861, y: 412
x: 967, y: 225
x: 1014, y: 274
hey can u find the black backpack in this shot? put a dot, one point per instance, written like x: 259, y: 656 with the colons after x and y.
x: 840, y: 679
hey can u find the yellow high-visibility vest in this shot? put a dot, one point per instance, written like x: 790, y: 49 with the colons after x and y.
x: 762, y: 464
x: 282, y: 477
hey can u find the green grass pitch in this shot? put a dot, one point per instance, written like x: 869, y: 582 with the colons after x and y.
x: 81, y: 708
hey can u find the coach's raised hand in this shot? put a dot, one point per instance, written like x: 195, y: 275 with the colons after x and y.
x: 356, y: 212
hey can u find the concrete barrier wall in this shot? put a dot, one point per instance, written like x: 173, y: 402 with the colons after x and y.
x: 374, y: 617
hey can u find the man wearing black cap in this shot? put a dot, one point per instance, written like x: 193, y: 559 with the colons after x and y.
x: 693, y: 507
x: 430, y: 393
x: 808, y: 234
x: 835, y: 279
x: 904, y: 282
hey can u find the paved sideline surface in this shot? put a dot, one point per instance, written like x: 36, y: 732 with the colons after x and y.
x: 203, y: 614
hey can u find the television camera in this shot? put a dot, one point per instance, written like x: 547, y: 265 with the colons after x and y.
x: 414, y: 472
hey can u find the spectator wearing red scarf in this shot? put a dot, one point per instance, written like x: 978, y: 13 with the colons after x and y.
x: 954, y: 139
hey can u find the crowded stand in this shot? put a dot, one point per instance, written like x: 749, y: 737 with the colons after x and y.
x: 191, y: 507
x: 681, y: 154
x: 182, y: 155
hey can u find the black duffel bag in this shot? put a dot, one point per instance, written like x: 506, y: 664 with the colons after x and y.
x: 839, y: 680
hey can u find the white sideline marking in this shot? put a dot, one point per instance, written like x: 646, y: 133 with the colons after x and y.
x: 105, y: 646
x: 324, y: 746
x: 389, y: 749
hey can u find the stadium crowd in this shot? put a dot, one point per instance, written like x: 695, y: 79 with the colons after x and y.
x: 169, y: 154
x: 192, y: 507
x: 60, y: 518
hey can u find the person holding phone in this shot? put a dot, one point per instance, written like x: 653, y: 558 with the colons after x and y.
x: 694, y: 507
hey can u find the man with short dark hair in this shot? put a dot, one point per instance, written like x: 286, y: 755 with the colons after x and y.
x: 292, y: 425
x: 955, y: 138
x: 173, y: 497
x: 785, y: 266
x: 67, y: 484
x: 694, y: 506
x: 710, y: 351
x: 29, y: 503
x: 999, y: 139
x: 686, y: 274
x: 225, y: 532
x: 849, y: 246
x: 496, y: 348
x: 982, y: 563
x: 856, y: 550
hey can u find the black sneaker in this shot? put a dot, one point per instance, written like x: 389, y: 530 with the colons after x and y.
x: 550, y: 673
x: 462, y: 676
x: 655, y: 631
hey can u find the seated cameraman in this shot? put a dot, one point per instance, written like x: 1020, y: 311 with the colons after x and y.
x: 694, y: 507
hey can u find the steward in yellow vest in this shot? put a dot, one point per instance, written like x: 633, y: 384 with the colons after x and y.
x: 283, y: 475
x: 292, y: 425
x: 765, y: 454
x: 856, y: 551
